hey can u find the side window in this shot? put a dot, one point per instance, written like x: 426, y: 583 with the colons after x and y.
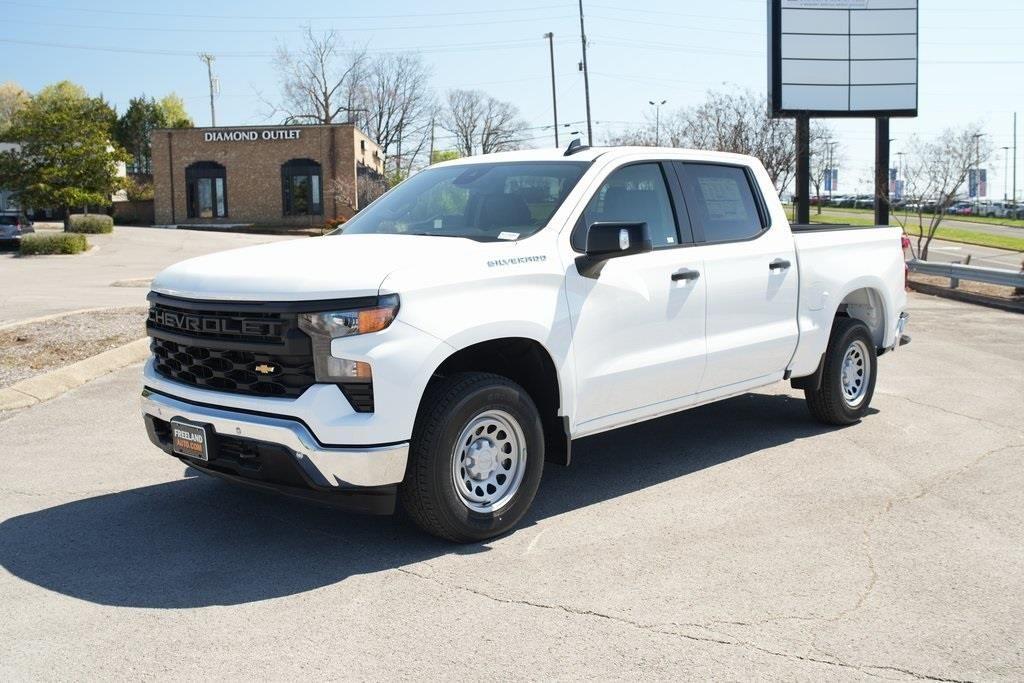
x: 720, y: 201
x: 635, y: 194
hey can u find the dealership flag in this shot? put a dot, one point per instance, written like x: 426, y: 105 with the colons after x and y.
x: 978, y: 183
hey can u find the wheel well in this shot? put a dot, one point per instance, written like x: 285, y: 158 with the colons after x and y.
x: 866, y: 305
x: 528, y: 364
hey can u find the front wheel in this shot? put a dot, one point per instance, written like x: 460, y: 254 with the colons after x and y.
x: 848, y: 375
x: 476, y: 458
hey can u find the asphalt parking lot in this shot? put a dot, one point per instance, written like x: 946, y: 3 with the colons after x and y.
x: 735, y: 541
x: 112, y: 273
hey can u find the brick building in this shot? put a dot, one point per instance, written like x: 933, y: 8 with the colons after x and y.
x: 265, y: 175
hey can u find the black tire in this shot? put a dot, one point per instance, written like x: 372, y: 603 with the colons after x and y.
x: 829, y: 403
x: 428, y: 494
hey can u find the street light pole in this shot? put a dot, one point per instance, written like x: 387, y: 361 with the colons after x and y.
x: 554, y: 99
x: 977, y: 170
x: 1006, y: 169
x: 586, y: 78
x: 657, y: 120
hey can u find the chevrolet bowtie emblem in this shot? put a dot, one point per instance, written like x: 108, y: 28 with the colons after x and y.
x: 265, y: 369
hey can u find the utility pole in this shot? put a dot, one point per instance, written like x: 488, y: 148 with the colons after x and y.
x: 209, y: 59
x: 1015, y: 158
x: 430, y: 159
x: 554, y: 99
x: 657, y: 120
x: 586, y: 77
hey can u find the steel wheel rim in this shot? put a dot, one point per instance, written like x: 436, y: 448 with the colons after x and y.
x: 855, y: 373
x: 489, y: 461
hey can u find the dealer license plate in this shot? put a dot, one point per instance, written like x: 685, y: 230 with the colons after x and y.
x: 189, y: 439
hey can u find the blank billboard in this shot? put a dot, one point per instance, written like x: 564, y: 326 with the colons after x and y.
x: 843, y: 57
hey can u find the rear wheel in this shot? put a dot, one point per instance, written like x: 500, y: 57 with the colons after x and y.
x: 476, y: 458
x: 848, y: 375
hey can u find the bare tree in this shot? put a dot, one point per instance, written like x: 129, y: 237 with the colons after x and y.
x: 397, y: 105
x: 319, y: 81
x: 935, y: 172
x: 481, y: 123
x: 730, y: 122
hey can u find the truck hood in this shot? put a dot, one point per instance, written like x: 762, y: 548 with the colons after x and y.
x: 339, y: 266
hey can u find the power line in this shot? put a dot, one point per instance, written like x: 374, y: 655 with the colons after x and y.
x: 511, y: 44
x: 235, y: 17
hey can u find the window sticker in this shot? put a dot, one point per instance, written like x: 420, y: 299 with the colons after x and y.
x: 512, y: 236
x: 722, y: 198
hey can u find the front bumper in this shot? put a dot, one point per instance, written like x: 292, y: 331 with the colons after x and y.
x: 294, y: 458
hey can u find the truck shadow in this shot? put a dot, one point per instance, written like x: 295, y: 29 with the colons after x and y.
x: 197, y: 542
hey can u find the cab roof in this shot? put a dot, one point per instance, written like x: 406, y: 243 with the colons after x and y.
x: 589, y: 154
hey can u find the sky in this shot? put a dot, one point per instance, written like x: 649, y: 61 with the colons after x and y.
x: 972, y: 58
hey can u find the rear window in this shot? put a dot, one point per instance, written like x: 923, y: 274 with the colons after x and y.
x: 721, y: 202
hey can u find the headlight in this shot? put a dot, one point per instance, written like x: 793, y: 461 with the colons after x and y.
x: 328, y: 325
x: 336, y: 324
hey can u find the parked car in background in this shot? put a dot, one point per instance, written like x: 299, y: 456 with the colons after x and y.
x: 960, y: 208
x: 998, y: 209
x: 12, y: 227
x: 864, y: 201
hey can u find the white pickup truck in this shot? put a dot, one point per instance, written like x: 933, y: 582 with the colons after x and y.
x: 468, y: 325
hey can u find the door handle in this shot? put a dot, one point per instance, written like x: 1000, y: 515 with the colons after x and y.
x: 779, y: 264
x: 685, y: 274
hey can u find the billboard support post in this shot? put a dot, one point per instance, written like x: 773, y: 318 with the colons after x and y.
x: 882, y: 171
x: 843, y: 59
x: 802, y: 196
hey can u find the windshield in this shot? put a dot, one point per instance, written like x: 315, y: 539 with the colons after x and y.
x: 484, y: 202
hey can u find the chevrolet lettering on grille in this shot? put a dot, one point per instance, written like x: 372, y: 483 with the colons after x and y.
x: 212, y: 324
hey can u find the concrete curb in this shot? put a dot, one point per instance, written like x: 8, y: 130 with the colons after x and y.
x: 52, y: 384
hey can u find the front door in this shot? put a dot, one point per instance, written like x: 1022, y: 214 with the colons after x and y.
x: 638, y: 337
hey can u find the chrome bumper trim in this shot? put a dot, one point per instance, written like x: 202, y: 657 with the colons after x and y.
x: 328, y: 467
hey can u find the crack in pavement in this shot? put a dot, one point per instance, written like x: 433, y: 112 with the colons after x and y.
x: 728, y: 639
x: 943, y: 409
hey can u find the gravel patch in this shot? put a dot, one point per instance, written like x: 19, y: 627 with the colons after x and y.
x: 35, y: 348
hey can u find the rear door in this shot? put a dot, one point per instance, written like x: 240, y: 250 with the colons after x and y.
x: 638, y: 328
x: 752, y: 277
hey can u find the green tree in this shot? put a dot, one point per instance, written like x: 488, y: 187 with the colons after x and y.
x: 173, y: 109
x: 134, y: 130
x: 13, y: 98
x: 65, y: 156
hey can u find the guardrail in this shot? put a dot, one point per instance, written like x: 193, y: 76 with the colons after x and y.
x: 958, y: 271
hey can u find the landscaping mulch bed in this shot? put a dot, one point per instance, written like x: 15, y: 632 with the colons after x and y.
x: 35, y: 348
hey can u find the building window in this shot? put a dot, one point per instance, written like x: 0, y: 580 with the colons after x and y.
x: 206, y: 183
x: 300, y: 188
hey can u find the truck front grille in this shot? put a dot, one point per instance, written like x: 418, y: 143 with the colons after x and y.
x: 240, y: 372
x: 242, y: 348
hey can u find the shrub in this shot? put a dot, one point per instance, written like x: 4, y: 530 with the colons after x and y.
x: 90, y: 223
x: 53, y: 243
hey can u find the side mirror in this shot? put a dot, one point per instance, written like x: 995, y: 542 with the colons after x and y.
x: 611, y: 240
